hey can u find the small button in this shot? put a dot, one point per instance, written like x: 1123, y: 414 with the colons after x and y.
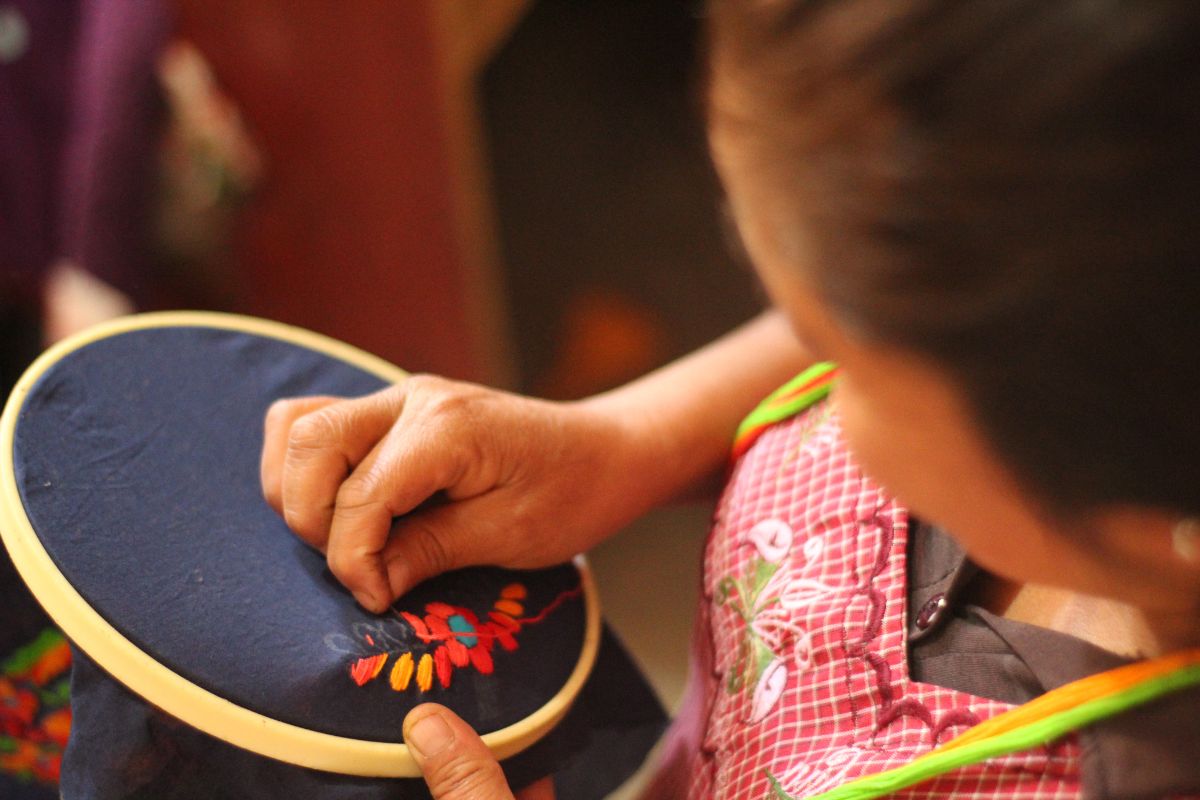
x: 931, y: 611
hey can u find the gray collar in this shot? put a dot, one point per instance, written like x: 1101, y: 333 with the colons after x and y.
x: 1147, y: 752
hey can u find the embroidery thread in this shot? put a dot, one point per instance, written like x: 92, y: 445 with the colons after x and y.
x: 452, y: 637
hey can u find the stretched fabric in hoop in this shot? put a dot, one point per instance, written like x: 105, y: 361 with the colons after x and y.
x: 134, y: 461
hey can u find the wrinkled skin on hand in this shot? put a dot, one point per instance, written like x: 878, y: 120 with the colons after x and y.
x: 431, y: 475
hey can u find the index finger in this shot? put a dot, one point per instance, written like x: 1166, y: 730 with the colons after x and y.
x: 323, y: 448
x: 411, y: 464
x: 277, y: 424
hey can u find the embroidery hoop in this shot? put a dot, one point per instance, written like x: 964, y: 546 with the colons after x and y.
x: 175, y: 694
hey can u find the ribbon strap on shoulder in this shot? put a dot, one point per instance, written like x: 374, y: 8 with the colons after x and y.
x: 800, y: 393
x: 1036, y: 723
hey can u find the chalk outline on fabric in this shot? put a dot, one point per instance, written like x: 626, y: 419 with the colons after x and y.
x: 175, y: 694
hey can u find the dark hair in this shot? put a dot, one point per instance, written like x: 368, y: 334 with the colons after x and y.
x: 1010, y: 188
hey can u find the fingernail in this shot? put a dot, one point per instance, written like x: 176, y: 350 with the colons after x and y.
x: 430, y: 735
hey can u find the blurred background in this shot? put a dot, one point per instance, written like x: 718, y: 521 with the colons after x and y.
x: 506, y: 191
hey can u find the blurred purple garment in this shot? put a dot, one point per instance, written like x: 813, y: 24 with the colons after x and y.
x: 80, y: 113
x: 35, y: 77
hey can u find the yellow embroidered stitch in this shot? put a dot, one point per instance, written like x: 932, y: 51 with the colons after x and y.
x: 425, y: 673
x: 401, y: 672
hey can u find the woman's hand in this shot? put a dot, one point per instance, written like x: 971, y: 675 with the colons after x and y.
x: 456, y: 763
x: 432, y: 475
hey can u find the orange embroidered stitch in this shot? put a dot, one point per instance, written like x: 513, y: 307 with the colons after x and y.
x: 402, y: 672
x: 510, y: 607
x: 425, y: 673
x: 514, y: 591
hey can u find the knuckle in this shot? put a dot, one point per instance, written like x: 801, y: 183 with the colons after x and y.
x: 442, y: 399
x: 312, y: 431
x: 279, y: 412
x: 465, y: 778
x: 449, y: 409
x: 422, y: 382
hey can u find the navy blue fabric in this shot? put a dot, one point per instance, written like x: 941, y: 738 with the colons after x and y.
x: 137, y: 458
x: 123, y: 750
x: 137, y: 461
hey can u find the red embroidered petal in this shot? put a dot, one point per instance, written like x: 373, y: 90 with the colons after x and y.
x: 418, y: 625
x: 438, y: 629
x: 458, y: 653
x: 503, y: 621
x: 482, y: 659
x: 360, y: 671
x: 506, y: 640
x: 443, y: 610
x: 367, y: 668
x: 441, y: 662
x: 487, y: 635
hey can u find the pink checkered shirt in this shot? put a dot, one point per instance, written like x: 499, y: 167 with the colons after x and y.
x: 799, y: 671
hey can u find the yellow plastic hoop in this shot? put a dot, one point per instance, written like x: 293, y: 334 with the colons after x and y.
x: 173, y: 693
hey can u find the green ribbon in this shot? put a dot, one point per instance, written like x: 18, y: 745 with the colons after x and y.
x: 1035, y: 734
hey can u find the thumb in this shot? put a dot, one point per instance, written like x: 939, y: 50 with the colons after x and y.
x: 457, y: 765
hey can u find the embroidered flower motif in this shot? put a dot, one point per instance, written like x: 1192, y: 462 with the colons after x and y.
x: 749, y: 598
x: 772, y: 538
x: 814, y: 547
x: 806, y: 779
x: 769, y: 690
x: 767, y: 599
x: 452, y: 637
x: 35, y: 719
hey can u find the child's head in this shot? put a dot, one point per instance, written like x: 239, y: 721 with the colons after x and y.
x: 988, y: 213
